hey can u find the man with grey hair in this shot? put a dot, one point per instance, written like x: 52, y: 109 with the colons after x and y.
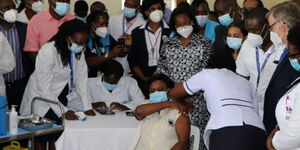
x: 281, y: 18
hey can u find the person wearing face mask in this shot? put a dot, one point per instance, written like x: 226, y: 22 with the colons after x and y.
x: 81, y: 8
x: 281, y: 18
x: 257, y: 55
x: 286, y: 134
x: 228, y: 13
x: 101, y: 45
x: 60, y: 75
x: 235, y: 38
x: 164, y: 125
x: 234, y: 123
x: 44, y: 25
x: 200, y: 10
x: 29, y: 8
x: 249, y: 5
x: 15, y: 33
x: 121, y: 26
x: 185, y: 55
x: 114, y: 90
x: 147, y: 41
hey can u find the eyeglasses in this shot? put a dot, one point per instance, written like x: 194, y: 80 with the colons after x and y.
x: 271, y: 26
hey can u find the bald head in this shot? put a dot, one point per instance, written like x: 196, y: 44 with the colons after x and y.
x: 222, y: 7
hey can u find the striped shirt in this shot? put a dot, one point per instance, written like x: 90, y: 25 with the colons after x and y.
x: 13, y: 40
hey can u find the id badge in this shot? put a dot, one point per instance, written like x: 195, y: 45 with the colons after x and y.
x: 73, y: 96
x: 152, y: 62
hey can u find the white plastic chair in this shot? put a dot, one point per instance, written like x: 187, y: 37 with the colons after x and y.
x: 196, y: 133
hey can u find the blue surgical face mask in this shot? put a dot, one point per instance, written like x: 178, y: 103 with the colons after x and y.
x: 109, y: 87
x: 129, y: 12
x: 62, y: 8
x: 202, y: 20
x: 75, y: 48
x: 295, y: 64
x: 234, y: 43
x: 225, y: 20
x: 159, y: 96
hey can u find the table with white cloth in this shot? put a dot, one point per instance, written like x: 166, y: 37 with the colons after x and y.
x: 101, y: 132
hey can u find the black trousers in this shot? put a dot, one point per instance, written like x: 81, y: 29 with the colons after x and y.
x: 244, y: 137
x: 15, y: 91
x: 52, y: 116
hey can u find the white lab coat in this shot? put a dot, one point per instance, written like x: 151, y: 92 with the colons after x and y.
x: 49, y: 79
x: 7, y: 61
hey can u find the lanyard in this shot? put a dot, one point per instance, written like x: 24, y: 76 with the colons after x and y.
x: 260, y: 69
x: 72, y: 83
x: 153, y: 47
x: 284, y: 53
x: 124, y: 31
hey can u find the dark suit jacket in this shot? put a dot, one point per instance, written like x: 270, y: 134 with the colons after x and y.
x: 220, y: 45
x: 138, y: 56
x: 283, y: 76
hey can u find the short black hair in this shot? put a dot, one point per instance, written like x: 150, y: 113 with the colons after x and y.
x: 112, y: 67
x: 81, y: 5
x: 259, y: 3
x: 241, y: 26
x: 294, y: 36
x: 183, y: 10
x: 259, y: 14
x: 222, y: 60
x: 162, y: 77
x: 94, y: 15
x: 98, y: 3
x: 146, y: 4
x: 196, y: 3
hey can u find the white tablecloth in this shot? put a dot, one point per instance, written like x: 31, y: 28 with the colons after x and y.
x: 99, y: 133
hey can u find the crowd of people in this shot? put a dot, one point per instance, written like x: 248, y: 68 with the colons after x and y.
x: 232, y: 72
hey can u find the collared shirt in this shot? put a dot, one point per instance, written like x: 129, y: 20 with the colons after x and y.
x: 247, y: 66
x: 117, y: 23
x: 21, y: 17
x: 127, y: 92
x: 153, y: 41
x: 13, y: 40
x: 41, y: 28
x: 288, y: 118
x: 230, y: 98
x: 7, y: 61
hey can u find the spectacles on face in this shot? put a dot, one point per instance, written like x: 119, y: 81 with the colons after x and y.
x: 272, y: 25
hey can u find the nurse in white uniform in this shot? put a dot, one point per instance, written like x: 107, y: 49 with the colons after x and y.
x: 234, y: 123
x: 60, y: 70
x: 7, y: 61
x: 286, y: 136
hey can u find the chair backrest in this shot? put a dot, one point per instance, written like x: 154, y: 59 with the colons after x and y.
x: 196, y: 133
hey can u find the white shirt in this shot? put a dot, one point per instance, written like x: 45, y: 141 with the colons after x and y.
x: 288, y: 137
x: 246, y: 65
x: 116, y: 27
x: 21, y: 17
x: 7, y: 61
x: 231, y: 99
x: 127, y: 92
x: 49, y: 79
x: 153, y: 43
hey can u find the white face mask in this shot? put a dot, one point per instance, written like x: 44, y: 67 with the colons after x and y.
x: 102, y: 31
x: 185, y: 31
x: 255, y: 40
x: 10, y: 15
x: 275, y: 38
x: 156, y: 16
x: 37, y: 6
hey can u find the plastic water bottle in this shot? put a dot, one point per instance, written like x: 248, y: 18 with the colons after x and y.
x: 3, y: 104
x: 13, y: 120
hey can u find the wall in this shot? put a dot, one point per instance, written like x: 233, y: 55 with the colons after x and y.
x: 114, y: 6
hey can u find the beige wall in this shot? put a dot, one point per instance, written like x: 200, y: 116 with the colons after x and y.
x: 114, y: 6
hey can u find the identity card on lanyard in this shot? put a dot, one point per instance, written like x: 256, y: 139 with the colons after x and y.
x: 72, y: 78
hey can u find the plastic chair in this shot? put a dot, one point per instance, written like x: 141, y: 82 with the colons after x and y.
x: 196, y: 133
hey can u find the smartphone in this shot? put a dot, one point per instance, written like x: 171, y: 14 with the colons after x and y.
x: 121, y: 41
x: 130, y: 113
x: 104, y: 111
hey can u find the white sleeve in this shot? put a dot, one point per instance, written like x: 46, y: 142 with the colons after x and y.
x: 136, y: 95
x: 111, y: 27
x: 288, y: 137
x: 195, y: 83
x: 7, y: 59
x: 241, y: 66
x: 81, y: 82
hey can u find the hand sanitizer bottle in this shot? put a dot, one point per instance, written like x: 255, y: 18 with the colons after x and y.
x: 13, y: 121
